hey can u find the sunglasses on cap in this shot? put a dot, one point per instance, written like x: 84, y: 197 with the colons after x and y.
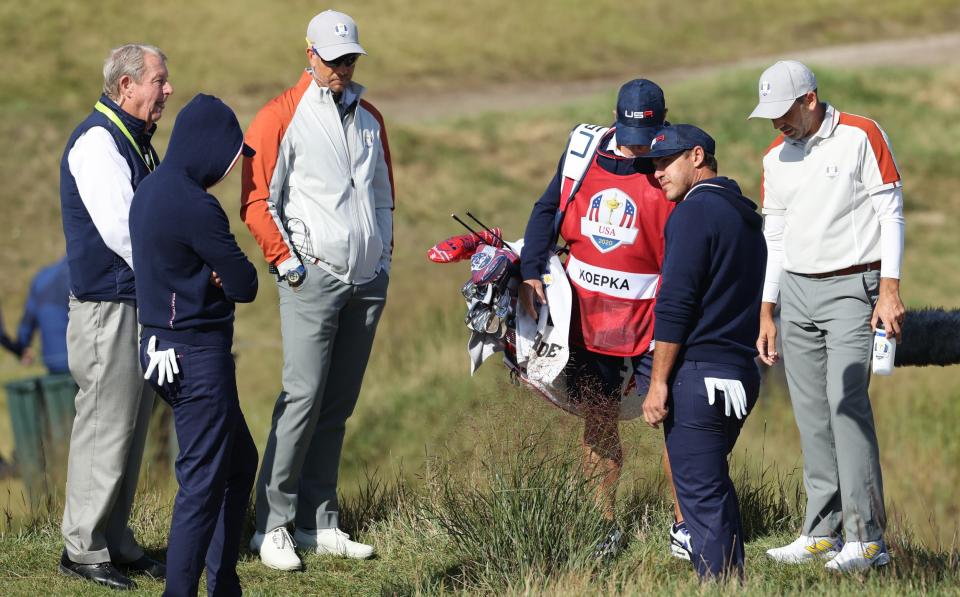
x: 345, y: 60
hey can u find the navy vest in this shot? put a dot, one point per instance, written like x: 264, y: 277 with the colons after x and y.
x: 96, y: 272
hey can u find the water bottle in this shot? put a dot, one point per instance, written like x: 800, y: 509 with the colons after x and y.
x: 884, y: 349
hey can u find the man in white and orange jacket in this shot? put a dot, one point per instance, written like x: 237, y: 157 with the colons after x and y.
x: 318, y: 197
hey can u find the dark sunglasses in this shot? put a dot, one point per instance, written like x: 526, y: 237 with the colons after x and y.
x: 345, y: 60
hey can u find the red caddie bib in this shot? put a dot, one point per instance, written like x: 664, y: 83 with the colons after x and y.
x: 614, y: 228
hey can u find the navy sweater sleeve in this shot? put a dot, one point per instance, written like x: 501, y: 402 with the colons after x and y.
x: 538, y: 238
x: 212, y: 240
x: 686, y: 268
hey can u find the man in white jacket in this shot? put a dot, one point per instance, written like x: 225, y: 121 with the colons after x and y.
x: 318, y: 197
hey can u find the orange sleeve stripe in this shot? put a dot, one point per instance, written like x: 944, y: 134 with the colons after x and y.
x: 264, y: 136
x: 776, y: 142
x: 386, y: 158
x: 881, y: 150
x: 386, y: 147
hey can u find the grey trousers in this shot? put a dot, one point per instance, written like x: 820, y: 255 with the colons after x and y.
x: 109, y: 431
x: 827, y: 343
x: 328, y: 328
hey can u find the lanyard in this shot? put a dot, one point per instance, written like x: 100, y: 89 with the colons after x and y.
x: 147, y: 159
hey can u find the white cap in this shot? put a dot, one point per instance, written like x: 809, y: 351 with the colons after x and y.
x: 333, y: 34
x: 780, y: 86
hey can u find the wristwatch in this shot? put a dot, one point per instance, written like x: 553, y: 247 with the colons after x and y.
x: 296, y: 276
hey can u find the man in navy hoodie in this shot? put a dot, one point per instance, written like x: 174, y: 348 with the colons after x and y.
x: 190, y: 273
x: 705, y: 328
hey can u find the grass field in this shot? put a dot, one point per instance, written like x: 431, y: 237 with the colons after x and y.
x: 418, y: 405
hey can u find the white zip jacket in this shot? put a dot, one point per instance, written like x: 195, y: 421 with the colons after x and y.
x: 320, y: 188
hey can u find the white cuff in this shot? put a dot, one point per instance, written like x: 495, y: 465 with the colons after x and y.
x: 288, y: 264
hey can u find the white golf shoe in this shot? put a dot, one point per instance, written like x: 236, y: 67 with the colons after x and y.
x: 277, y: 549
x: 680, y: 541
x: 332, y: 541
x: 805, y: 549
x: 857, y: 556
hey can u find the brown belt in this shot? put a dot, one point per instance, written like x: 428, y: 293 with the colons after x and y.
x: 853, y: 269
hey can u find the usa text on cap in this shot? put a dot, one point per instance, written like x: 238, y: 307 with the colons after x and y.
x: 640, y: 111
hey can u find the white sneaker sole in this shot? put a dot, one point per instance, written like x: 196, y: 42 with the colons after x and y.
x: 308, y: 543
x: 288, y: 568
x: 877, y: 562
x: 826, y: 555
x: 679, y: 552
x: 324, y: 550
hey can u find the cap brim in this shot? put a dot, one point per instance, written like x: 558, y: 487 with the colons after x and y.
x: 660, y: 152
x: 771, y: 109
x: 334, y: 52
x: 247, y: 151
x: 636, y: 135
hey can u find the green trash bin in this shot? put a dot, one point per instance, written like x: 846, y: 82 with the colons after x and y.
x: 59, y: 401
x: 25, y: 403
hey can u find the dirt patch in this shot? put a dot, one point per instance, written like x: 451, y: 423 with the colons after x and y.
x: 923, y: 51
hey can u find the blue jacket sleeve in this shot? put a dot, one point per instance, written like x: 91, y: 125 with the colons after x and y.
x: 538, y: 237
x: 215, y: 244
x: 5, y: 340
x: 29, y: 321
x: 686, y: 267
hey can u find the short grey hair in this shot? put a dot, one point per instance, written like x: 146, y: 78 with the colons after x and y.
x: 126, y: 60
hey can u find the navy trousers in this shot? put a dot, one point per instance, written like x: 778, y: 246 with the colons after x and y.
x: 215, y: 470
x: 699, y: 438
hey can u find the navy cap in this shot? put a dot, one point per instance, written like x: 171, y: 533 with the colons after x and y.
x: 247, y: 151
x: 640, y: 112
x: 680, y: 137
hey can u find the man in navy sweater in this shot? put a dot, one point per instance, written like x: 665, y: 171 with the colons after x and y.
x: 705, y: 330
x: 190, y: 273
x: 105, y: 159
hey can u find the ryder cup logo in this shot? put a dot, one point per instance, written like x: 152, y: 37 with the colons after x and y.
x: 610, y: 219
x: 341, y: 30
x: 479, y: 261
x: 764, y: 88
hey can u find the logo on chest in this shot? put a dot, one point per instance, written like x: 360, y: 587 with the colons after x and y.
x: 609, y: 223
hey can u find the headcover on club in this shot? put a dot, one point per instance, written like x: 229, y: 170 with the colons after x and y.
x: 463, y: 246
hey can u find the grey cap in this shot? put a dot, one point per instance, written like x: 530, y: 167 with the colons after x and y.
x: 333, y: 34
x: 780, y: 86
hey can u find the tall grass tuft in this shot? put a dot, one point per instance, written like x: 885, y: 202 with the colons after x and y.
x: 769, y: 501
x: 375, y: 501
x: 528, y: 510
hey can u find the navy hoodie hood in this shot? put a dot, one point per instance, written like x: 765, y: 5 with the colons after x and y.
x: 730, y: 190
x: 180, y: 233
x: 206, y: 140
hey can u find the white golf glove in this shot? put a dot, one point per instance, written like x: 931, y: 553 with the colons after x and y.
x: 735, y: 397
x: 164, y: 361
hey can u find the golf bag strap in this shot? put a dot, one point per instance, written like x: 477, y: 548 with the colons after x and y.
x: 581, y: 147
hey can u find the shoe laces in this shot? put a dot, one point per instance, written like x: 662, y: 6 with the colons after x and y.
x: 281, y: 537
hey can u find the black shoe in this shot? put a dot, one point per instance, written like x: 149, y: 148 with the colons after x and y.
x: 146, y: 566
x: 611, y: 545
x: 103, y: 573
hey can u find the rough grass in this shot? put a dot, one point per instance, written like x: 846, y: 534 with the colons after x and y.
x: 508, y: 527
x: 417, y: 398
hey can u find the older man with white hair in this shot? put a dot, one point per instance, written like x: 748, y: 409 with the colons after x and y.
x: 106, y: 158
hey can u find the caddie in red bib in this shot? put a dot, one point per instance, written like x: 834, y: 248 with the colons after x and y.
x: 610, y: 211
